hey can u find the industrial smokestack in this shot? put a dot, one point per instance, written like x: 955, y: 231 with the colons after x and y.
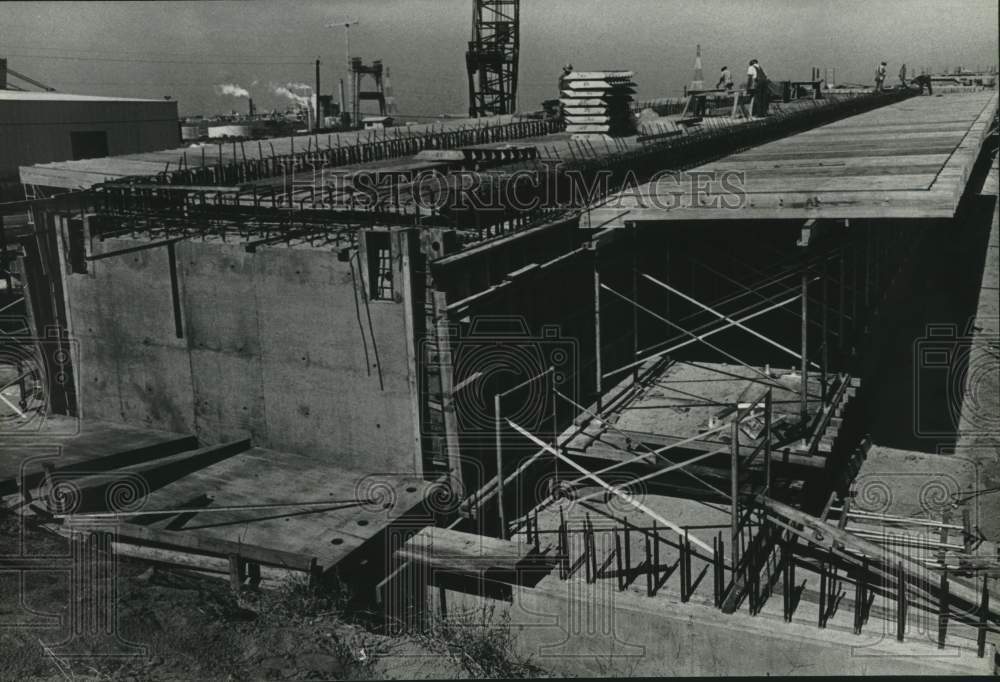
x: 3, y: 73
x: 252, y: 111
x: 316, y: 92
x: 342, y: 109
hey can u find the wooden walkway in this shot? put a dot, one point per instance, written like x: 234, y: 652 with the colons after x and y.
x: 911, y: 159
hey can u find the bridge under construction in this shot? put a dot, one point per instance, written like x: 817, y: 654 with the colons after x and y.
x: 629, y: 388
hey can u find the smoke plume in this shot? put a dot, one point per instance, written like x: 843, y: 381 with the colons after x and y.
x: 288, y: 90
x: 232, y: 89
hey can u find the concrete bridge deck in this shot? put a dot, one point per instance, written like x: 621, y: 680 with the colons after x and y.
x: 911, y: 159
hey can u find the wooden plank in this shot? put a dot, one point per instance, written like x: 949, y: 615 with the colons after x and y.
x: 154, y: 472
x: 467, y: 553
x: 586, y: 121
x: 260, y: 476
x: 98, y: 448
x: 199, y: 544
x: 784, y: 455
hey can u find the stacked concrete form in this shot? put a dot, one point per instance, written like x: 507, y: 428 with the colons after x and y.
x: 598, y: 103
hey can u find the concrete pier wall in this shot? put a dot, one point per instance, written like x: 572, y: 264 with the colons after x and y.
x: 275, y: 345
x: 574, y: 628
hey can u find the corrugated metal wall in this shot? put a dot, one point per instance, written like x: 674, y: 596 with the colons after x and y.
x: 38, y: 131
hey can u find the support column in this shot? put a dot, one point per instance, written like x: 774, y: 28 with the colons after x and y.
x: 841, y: 312
x: 443, y: 334
x: 824, y: 350
x: 734, y: 490
x: 597, y: 329
x: 768, y: 420
x: 635, y: 297
x: 803, y: 406
x: 499, y: 450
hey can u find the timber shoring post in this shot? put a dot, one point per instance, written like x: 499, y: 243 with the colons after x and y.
x: 236, y: 572
x: 768, y: 421
x: 499, y: 459
x: 823, y: 326
x: 803, y: 407
x: 635, y: 297
x: 734, y: 493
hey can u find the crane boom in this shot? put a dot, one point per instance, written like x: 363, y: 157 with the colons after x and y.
x: 492, y: 57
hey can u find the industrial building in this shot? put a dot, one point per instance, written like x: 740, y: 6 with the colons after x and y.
x: 38, y: 127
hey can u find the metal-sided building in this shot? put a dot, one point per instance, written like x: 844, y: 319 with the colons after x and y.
x: 40, y: 127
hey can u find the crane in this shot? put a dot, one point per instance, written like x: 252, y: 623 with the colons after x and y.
x: 491, y: 60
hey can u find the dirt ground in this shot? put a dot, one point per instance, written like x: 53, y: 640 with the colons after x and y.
x: 174, y: 625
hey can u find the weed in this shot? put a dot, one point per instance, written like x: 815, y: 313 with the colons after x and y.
x: 482, y: 642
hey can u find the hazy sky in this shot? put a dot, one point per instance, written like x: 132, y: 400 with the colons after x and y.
x: 185, y: 49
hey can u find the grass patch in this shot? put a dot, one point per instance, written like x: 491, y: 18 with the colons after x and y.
x: 482, y: 642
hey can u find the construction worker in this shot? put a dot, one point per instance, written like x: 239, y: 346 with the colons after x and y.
x: 902, y: 75
x: 923, y: 80
x: 757, y: 87
x: 566, y: 70
x: 879, y: 77
x: 725, y: 79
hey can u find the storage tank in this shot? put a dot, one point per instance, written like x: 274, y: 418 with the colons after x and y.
x: 231, y: 130
x: 191, y: 132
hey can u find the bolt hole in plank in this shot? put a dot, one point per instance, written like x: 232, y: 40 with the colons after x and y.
x: 337, y: 541
x: 362, y: 522
x: 411, y: 488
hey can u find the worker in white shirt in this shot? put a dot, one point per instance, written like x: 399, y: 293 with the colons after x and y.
x: 757, y: 87
x: 879, y: 77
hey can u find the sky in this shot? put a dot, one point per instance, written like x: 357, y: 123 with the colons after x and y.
x: 188, y: 49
